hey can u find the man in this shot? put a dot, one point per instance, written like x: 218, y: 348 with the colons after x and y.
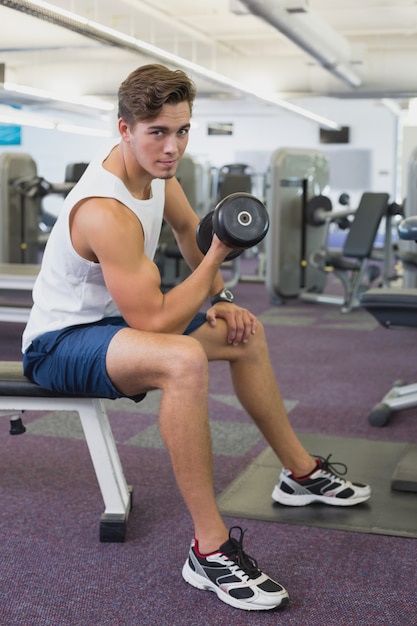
x: 101, y: 325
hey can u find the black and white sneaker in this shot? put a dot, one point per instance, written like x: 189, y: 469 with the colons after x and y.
x: 233, y: 576
x: 322, y: 485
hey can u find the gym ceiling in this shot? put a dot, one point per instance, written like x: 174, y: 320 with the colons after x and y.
x: 282, y: 51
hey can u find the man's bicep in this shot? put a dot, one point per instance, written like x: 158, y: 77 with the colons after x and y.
x: 132, y: 279
x: 135, y: 289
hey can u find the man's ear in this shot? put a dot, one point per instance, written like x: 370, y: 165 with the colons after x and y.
x: 124, y: 129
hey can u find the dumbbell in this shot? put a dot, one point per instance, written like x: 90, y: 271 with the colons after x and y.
x: 240, y: 221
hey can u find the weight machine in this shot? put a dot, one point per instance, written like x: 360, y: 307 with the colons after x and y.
x: 293, y: 178
x: 298, y: 257
x: 24, y: 226
x: 351, y: 262
x: 19, y: 219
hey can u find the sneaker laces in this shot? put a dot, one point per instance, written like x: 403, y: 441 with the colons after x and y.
x: 327, y: 466
x: 233, y: 549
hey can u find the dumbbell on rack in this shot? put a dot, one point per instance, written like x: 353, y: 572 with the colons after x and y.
x: 240, y: 221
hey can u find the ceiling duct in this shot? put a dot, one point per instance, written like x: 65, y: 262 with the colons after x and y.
x: 109, y: 36
x: 309, y: 33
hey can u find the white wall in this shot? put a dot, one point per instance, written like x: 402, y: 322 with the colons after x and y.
x: 257, y: 130
x: 373, y: 128
x: 53, y: 150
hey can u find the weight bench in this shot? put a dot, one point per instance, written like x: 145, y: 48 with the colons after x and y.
x: 18, y: 394
x: 395, y: 306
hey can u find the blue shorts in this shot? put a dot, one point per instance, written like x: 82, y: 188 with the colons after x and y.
x: 73, y: 360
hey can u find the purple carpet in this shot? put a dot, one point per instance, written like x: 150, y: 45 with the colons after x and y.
x: 332, y: 369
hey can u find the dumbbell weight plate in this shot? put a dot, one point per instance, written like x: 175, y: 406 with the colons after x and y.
x: 205, y: 236
x: 205, y: 232
x: 240, y: 220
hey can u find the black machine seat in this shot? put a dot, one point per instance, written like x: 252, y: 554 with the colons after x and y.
x: 392, y: 306
x: 362, y: 232
x: 364, y: 228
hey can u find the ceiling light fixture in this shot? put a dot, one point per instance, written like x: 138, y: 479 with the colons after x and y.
x: 17, y: 117
x: 9, y: 115
x: 109, y: 36
x: 83, y: 101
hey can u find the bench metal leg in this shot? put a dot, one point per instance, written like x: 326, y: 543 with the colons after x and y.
x: 116, y: 493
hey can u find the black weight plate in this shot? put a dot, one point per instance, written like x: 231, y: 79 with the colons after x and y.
x: 204, y: 232
x: 313, y: 208
x: 240, y: 220
x: 204, y: 235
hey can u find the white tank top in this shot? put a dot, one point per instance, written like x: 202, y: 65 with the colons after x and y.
x: 70, y: 290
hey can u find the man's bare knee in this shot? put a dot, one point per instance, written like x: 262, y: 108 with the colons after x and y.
x: 188, y: 364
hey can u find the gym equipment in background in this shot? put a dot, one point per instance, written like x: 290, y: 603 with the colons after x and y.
x: 233, y: 178
x: 351, y: 263
x: 392, y: 307
x: 24, y: 224
x: 293, y: 178
x: 239, y: 178
x: 298, y: 257
x: 19, y: 216
x: 194, y: 177
x: 397, y: 307
x: 407, y: 251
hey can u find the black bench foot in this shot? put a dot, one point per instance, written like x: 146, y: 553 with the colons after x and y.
x: 113, y: 526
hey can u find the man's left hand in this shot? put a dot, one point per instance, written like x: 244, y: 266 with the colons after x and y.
x: 241, y: 323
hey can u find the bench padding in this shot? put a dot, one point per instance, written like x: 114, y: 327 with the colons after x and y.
x: 392, y: 306
x: 14, y: 383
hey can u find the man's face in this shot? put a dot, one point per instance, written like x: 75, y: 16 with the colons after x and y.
x: 159, y: 144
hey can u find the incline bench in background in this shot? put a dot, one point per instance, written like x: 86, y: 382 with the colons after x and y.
x: 18, y: 394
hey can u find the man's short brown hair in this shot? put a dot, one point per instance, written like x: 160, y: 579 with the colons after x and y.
x: 144, y: 92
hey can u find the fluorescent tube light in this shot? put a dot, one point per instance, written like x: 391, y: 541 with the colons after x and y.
x: 85, y: 101
x: 109, y: 36
x: 18, y: 117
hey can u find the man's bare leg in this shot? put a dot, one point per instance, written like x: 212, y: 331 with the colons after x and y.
x: 257, y: 389
x: 138, y: 362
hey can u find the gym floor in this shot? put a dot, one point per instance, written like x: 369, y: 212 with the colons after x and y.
x: 332, y: 369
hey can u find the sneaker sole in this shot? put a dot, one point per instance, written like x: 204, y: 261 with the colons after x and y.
x: 199, y: 582
x: 303, y: 500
